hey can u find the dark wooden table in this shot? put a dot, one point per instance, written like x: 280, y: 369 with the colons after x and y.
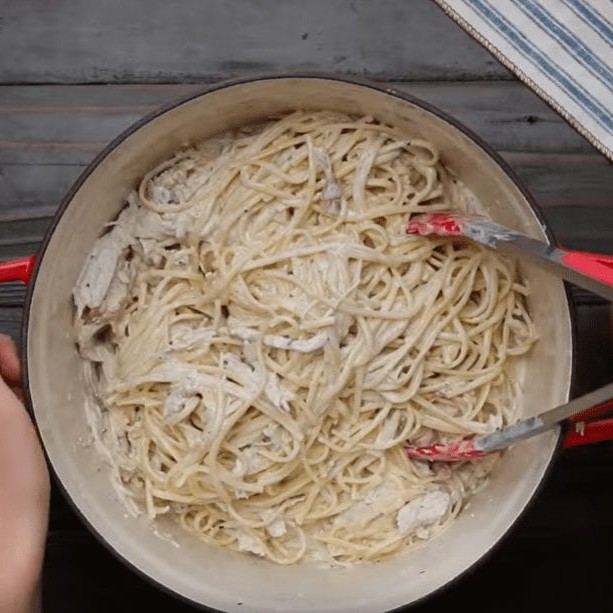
x: 74, y: 73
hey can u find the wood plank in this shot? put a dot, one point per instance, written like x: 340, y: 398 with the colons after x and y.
x: 21, y: 246
x: 10, y: 321
x: 79, y: 41
x: 65, y: 124
x: 577, y: 229
x: 565, y: 179
x: 28, y: 190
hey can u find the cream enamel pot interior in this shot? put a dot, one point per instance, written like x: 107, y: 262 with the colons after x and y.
x: 215, y: 577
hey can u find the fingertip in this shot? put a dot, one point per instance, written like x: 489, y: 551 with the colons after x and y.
x: 10, y: 366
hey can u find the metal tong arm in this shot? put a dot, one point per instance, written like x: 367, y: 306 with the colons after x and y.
x: 591, y: 271
x: 592, y: 403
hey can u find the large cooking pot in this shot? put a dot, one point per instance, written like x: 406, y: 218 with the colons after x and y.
x: 225, y: 579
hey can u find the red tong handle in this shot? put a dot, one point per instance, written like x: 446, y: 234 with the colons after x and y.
x: 597, y: 266
x: 17, y: 270
x: 584, y: 432
x: 590, y: 432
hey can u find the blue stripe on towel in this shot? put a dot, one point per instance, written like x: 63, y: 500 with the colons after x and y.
x: 601, y: 115
x: 591, y: 17
x: 575, y: 46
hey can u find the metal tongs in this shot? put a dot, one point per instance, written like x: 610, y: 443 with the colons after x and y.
x: 590, y: 271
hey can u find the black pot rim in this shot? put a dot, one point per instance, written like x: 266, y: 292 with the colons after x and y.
x: 91, y: 167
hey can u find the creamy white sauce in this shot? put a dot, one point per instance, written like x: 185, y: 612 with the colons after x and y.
x: 376, y: 502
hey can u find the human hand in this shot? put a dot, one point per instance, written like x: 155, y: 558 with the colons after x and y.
x: 24, y: 492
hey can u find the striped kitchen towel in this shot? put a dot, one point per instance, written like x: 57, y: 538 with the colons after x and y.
x: 562, y: 49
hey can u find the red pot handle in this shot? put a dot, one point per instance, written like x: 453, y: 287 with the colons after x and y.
x: 17, y: 270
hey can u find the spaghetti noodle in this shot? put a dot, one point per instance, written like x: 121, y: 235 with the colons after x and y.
x: 261, y: 338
